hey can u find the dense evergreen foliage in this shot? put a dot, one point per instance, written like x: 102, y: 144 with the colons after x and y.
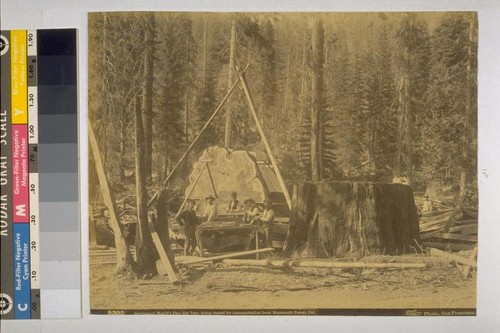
x: 397, y: 94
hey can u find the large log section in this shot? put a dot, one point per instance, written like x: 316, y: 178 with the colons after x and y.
x: 338, y: 219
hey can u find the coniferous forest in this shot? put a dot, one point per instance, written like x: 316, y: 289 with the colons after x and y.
x: 340, y: 108
x: 341, y: 96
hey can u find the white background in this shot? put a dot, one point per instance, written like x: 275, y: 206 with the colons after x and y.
x: 33, y: 14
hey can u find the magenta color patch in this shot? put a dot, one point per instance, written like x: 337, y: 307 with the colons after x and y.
x: 20, y: 174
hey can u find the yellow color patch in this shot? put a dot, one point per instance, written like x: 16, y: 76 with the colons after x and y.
x: 19, y: 77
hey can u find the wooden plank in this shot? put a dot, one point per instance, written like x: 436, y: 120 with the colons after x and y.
x: 436, y: 212
x: 359, y: 264
x: 163, y: 255
x: 320, y: 264
x: 229, y: 255
x: 152, y: 283
x: 433, y: 228
x: 124, y: 257
x: 468, y: 229
x: 471, y: 213
x: 221, y: 227
x: 463, y: 222
x: 443, y: 221
x: 454, y: 257
x: 106, y: 252
x: 467, y: 238
x: 448, y: 246
x: 435, y: 219
x: 429, y: 235
x: 98, y: 248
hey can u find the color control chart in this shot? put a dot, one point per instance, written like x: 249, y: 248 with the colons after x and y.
x: 39, y: 204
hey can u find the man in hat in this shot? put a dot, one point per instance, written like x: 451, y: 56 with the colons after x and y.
x: 210, y: 209
x: 190, y: 221
x: 252, y: 210
x: 234, y: 204
x: 265, y: 221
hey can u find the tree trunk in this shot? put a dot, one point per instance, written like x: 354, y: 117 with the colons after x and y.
x: 162, y: 210
x: 186, y: 117
x: 232, y: 52
x: 408, y: 125
x: 148, y: 92
x: 124, y: 258
x: 301, y: 153
x: 345, y: 218
x: 466, y: 136
x: 144, y: 247
x: 285, y: 104
x: 204, y: 60
x: 405, y: 123
x: 317, y: 93
x: 123, y: 135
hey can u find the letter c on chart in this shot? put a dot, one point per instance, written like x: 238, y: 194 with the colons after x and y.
x: 22, y: 307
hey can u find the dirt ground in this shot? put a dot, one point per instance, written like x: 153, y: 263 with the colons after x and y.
x: 218, y: 286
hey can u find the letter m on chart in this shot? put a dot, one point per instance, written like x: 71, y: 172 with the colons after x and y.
x: 21, y: 210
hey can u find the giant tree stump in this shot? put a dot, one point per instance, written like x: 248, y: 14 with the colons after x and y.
x: 352, y: 218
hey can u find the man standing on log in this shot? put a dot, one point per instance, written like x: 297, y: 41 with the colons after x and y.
x: 265, y: 221
x: 190, y: 221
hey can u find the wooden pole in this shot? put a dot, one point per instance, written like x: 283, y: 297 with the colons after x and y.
x: 92, y: 231
x: 232, y: 52
x: 183, y: 157
x: 165, y: 261
x: 320, y: 264
x: 229, y: 255
x: 264, y: 140
x: 257, y: 242
x: 190, y: 190
x: 211, y: 180
x: 123, y: 255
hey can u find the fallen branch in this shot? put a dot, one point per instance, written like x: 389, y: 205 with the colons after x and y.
x: 319, y: 264
x: 436, y: 215
x: 468, y: 229
x: 450, y: 256
x: 429, y: 223
x: 467, y: 238
x: 463, y: 222
x: 449, y: 246
x: 436, y: 212
x: 229, y: 255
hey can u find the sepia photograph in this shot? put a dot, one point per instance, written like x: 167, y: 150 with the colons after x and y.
x: 283, y: 163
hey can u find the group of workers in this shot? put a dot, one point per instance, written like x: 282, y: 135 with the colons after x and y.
x: 253, y: 213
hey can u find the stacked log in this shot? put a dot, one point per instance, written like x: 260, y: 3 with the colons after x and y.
x: 448, y: 228
x: 338, y: 219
